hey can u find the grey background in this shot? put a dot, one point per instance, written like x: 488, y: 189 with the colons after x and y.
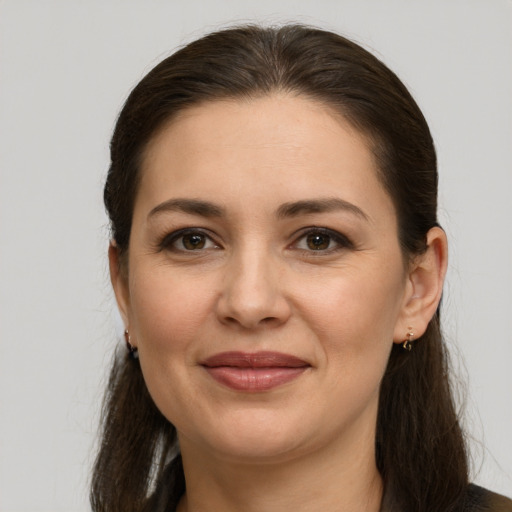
x: 66, y: 67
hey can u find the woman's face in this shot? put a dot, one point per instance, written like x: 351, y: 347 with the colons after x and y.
x: 265, y: 283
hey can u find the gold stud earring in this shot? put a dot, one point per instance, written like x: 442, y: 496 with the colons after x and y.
x: 407, y: 344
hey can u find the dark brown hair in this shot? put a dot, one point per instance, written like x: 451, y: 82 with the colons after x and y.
x: 419, y: 444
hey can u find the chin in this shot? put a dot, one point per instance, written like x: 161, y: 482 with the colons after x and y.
x: 255, y: 448
x: 260, y: 436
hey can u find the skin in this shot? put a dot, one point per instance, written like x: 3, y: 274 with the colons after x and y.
x: 256, y: 282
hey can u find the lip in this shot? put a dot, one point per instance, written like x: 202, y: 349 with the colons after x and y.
x: 254, y: 372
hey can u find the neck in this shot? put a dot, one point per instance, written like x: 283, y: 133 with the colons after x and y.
x: 331, y: 479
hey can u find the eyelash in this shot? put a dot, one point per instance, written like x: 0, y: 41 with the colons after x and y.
x: 175, y: 236
x: 341, y: 241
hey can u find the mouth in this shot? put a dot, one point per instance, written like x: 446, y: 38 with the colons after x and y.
x: 254, y: 372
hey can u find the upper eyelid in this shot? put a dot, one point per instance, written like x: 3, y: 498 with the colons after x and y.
x: 171, y: 237
x: 342, y: 242
x: 320, y: 229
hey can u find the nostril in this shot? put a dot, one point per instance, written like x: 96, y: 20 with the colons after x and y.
x: 251, y: 303
x: 267, y: 321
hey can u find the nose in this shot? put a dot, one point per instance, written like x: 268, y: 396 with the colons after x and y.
x: 252, y: 294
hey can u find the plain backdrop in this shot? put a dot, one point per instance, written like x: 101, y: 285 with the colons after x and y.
x: 65, y: 69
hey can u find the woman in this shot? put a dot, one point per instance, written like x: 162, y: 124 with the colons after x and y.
x: 278, y: 264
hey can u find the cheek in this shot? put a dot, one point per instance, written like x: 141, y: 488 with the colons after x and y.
x: 353, y: 320
x: 169, y: 317
x: 167, y: 311
x: 349, y: 301
x: 353, y: 316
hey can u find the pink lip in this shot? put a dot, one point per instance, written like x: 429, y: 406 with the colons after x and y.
x: 253, y: 372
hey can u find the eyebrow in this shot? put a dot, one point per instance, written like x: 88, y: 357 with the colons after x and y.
x: 319, y: 206
x: 192, y: 206
x: 286, y: 210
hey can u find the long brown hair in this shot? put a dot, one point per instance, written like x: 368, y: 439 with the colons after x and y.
x: 419, y: 444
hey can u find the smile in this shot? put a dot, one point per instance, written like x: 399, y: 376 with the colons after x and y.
x: 254, y: 372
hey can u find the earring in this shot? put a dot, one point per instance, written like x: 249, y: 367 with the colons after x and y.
x: 407, y: 344
x: 133, y: 351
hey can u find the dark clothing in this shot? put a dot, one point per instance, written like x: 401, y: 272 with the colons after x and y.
x: 482, y: 500
x: 476, y: 499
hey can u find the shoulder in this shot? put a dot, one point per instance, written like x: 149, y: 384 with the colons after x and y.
x: 473, y: 499
x: 482, y: 500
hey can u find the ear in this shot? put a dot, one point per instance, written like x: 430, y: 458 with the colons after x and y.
x: 119, y: 280
x: 424, y: 287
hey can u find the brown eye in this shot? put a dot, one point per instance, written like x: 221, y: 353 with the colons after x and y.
x: 318, y: 241
x: 323, y: 241
x: 188, y: 240
x: 193, y: 241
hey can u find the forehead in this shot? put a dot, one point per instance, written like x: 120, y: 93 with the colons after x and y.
x: 275, y: 118
x: 288, y: 146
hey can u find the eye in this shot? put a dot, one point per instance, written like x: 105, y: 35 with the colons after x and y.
x: 193, y: 241
x: 188, y: 240
x: 318, y: 241
x: 322, y: 240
